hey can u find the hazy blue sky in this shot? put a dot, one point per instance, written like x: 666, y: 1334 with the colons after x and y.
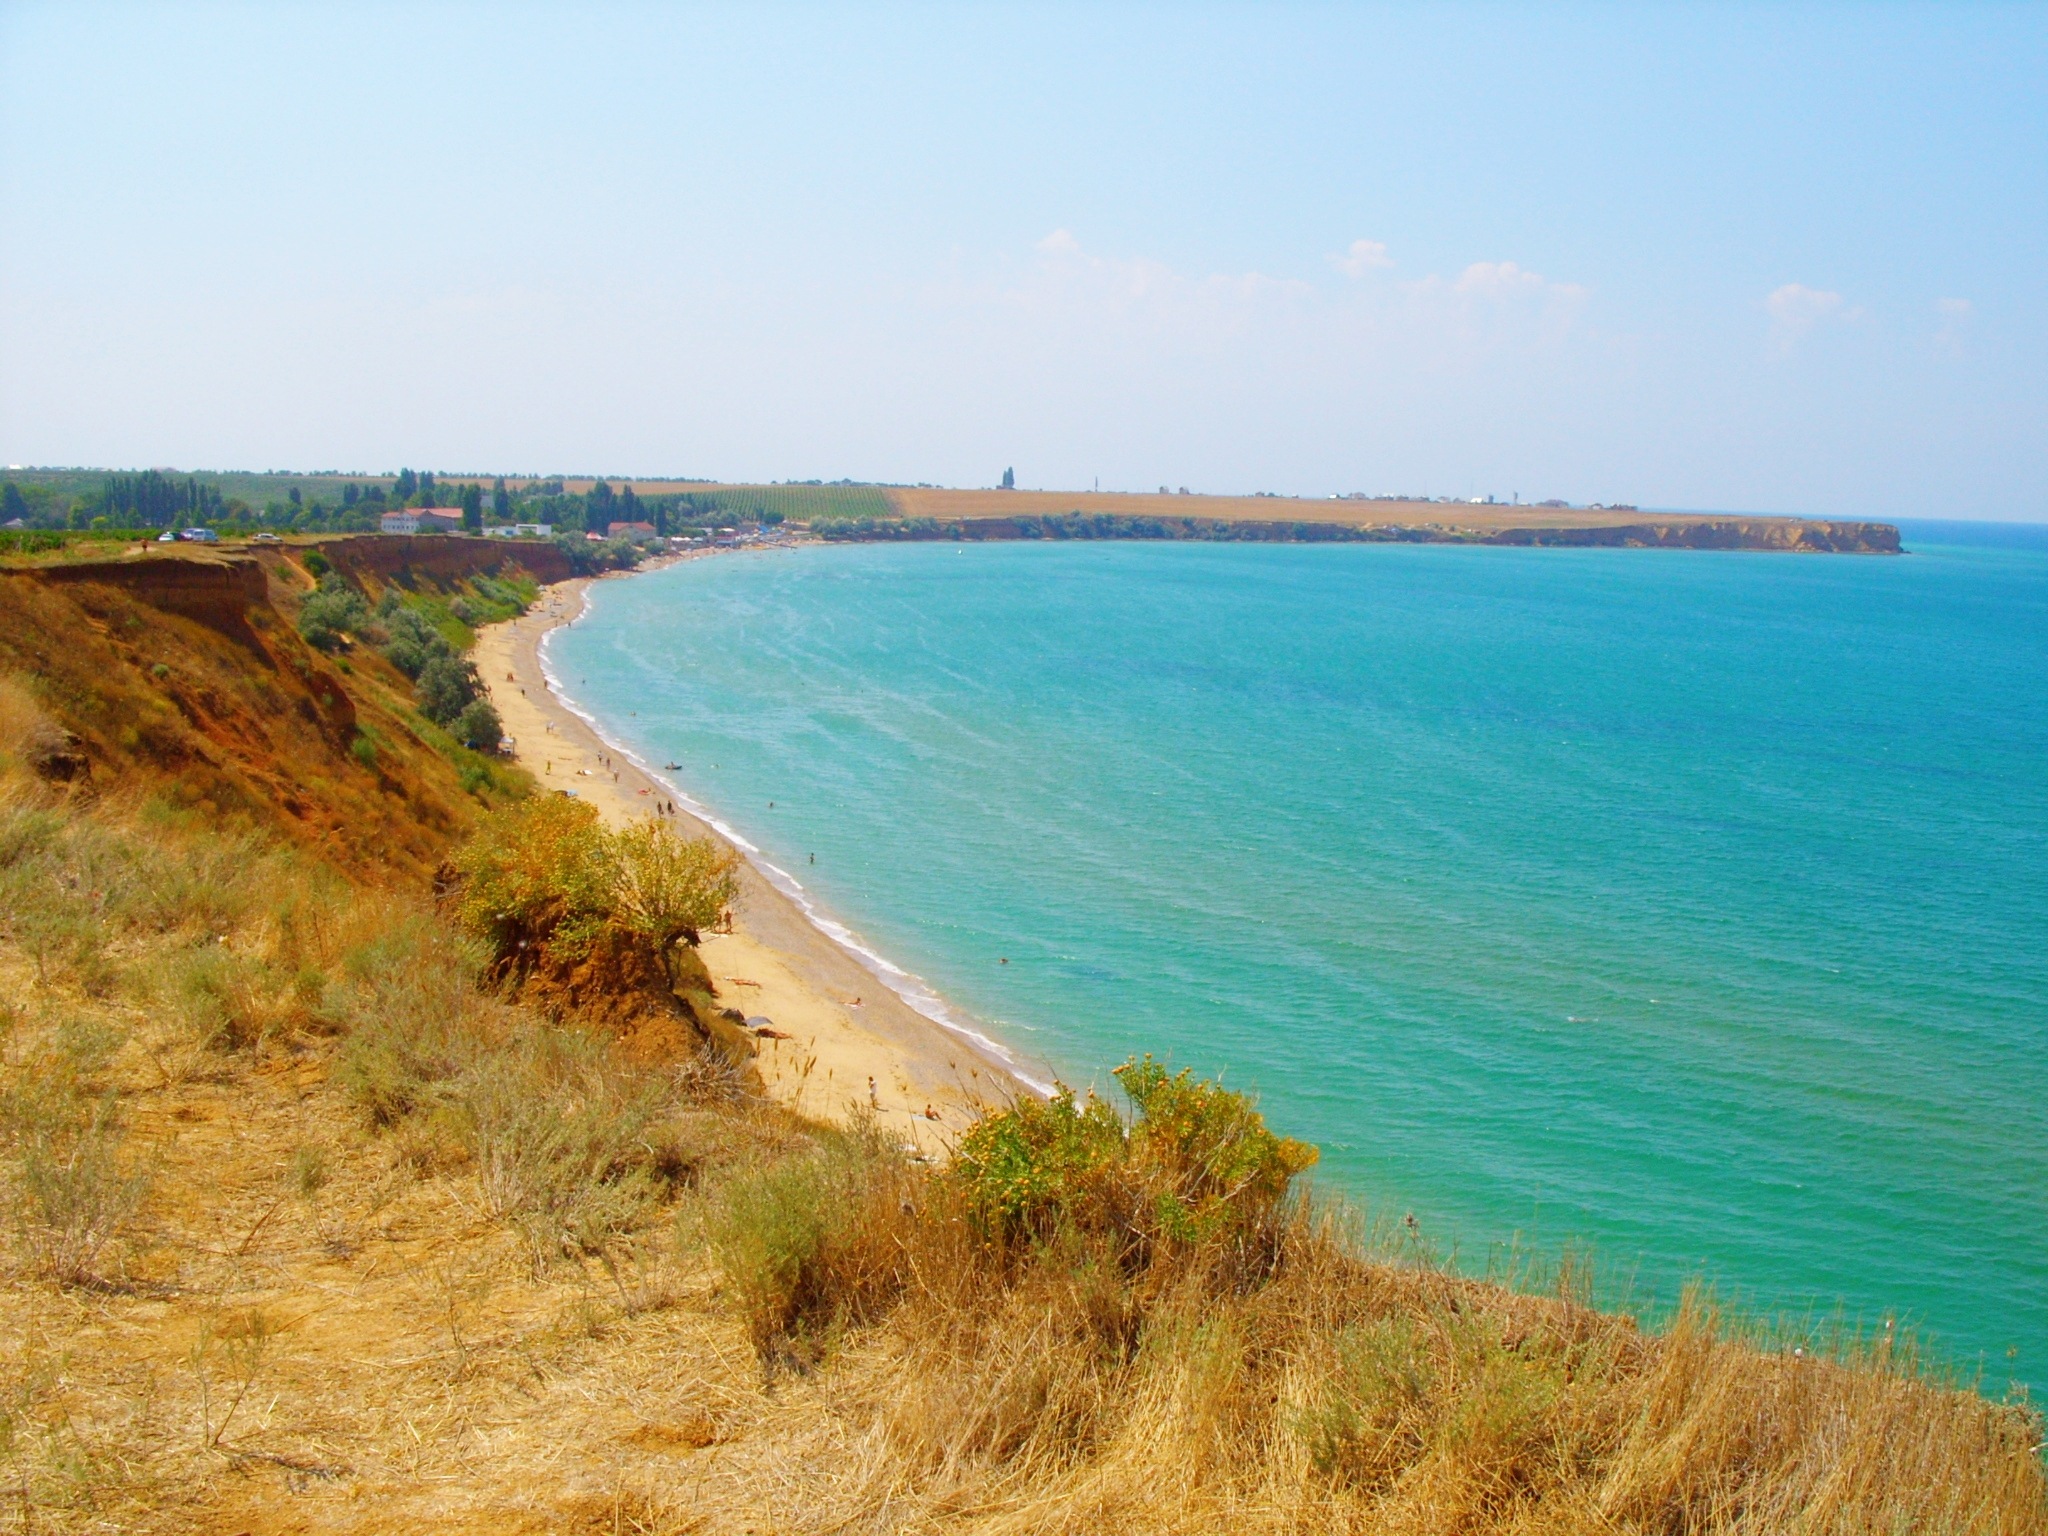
x: 1737, y: 257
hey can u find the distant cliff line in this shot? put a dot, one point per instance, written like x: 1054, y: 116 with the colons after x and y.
x: 1793, y: 535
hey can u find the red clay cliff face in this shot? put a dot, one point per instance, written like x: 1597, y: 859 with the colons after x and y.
x: 618, y: 983
x: 443, y: 558
x: 215, y: 592
x: 179, y: 677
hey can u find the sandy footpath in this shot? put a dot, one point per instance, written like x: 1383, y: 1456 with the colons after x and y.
x: 849, y: 1040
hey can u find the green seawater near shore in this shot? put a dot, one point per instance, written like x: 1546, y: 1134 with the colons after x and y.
x: 1690, y: 907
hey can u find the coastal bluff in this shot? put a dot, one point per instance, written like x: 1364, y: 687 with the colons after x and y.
x: 1782, y: 535
x: 978, y: 516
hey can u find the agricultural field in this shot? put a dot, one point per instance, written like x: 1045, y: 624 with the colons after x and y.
x: 945, y: 506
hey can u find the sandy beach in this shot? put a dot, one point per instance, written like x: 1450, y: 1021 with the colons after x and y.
x: 841, y: 1037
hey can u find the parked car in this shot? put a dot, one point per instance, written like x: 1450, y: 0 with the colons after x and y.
x: 200, y: 536
x: 264, y: 538
x: 168, y: 536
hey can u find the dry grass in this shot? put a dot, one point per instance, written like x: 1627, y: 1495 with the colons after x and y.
x: 1104, y: 1378
x: 309, y: 1230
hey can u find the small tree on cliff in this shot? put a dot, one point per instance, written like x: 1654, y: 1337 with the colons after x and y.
x: 667, y: 887
x: 545, y: 871
x: 535, y: 873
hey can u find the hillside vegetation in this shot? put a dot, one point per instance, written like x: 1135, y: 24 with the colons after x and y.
x: 339, y: 1198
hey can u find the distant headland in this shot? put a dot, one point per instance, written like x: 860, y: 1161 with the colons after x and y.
x: 980, y: 515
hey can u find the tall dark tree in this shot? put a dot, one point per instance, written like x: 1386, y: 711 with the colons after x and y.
x: 501, y: 501
x: 602, y: 507
x: 472, y: 508
x: 12, y: 503
x: 405, y: 485
x: 351, y: 494
x: 152, y: 499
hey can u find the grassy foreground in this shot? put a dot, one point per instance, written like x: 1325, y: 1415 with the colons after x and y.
x: 333, y: 1207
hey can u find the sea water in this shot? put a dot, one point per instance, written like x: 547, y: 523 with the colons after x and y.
x: 1691, y: 908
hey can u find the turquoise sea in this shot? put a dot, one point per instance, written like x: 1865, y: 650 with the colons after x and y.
x: 1692, y: 908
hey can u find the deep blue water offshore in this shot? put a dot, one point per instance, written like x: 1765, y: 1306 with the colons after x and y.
x: 1693, y: 907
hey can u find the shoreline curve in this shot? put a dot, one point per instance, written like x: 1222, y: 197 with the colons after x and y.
x: 903, y: 1053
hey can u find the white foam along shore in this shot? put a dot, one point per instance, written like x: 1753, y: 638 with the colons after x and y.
x: 916, y: 993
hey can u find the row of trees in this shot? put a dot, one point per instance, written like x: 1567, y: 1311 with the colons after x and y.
x: 149, y: 499
x: 156, y: 500
x: 152, y: 499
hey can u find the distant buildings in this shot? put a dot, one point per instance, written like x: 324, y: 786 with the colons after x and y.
x: 421, y: 520
x: 520, y: 531
x: 638, y: 533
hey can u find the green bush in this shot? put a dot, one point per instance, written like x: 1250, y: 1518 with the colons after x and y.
x: 1196, y: 1167
x: 535, y: 873
x: 446, y: 686
x: 1213, y: 1167
x: 1041, y: 1164
x: 412, y: 642
x: 544, y: 872
x: 666, y: 887
x: 477, y: 726
x: 332, y: 613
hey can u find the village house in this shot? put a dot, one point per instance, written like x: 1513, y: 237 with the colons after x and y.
x: 421, y: 520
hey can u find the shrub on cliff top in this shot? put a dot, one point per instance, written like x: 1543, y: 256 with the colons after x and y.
x: 1196, y: 1167
x: 535, y: 872
x: 666, y: 887
x: 546, y: 872
x: 1041, y: 1164
x: 1212, y: 1165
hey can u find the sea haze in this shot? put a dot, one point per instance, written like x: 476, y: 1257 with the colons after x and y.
x: 1693, y: 907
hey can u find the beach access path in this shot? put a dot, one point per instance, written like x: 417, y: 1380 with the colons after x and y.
x: 842, y: 1038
